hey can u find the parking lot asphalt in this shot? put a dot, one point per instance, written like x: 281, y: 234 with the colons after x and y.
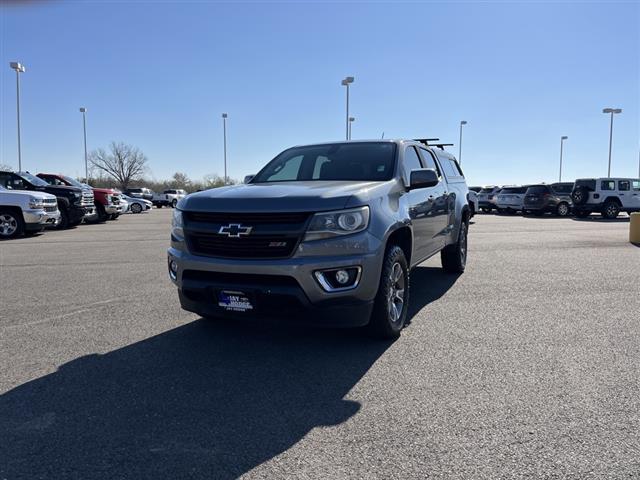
x: 525, y: 366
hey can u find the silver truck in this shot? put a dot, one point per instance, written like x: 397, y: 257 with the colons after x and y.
x: 325, y: 234
x: 26, y: 212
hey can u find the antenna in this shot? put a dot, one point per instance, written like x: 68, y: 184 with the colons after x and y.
x: 382, y: 138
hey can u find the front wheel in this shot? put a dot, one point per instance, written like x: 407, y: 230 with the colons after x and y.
x: 454, y: 257
x: 563, y: 210
x: 611, y: 210
x: 390, y: 307
x: 174, y: 202
x: 136, y: 208
x: 11, y: 224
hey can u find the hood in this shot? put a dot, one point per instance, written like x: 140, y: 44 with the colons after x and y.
x: 284, y: 196
x: 60, y: 190
x: 107, y: 191
x: 30, y: 193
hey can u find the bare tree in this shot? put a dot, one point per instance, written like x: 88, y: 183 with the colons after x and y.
x: 125, y: 163
x: 5, y: 168
x: 180, y: 180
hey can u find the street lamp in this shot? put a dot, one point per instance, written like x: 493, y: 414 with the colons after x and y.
x: 83, y: 110
x: 562, y: 139
x: 612, y: 111
x: 351, y: 120
x: 224, y: 133
x: 19, y: 68
x: 346, y: 82
x: 462, y: 123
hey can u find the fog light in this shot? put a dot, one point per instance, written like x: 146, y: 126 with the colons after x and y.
x: 173, y: 269
x: 337, y: 279
x: 342, y: 277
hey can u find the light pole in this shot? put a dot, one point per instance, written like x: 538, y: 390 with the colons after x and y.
x: 562, y: 139
x: 224, y: 133
x: 83, y: 110
x: 462, y: 123
x: 346, y: 82
x: 612, y: 111
x: 351, y: 120
x: 19, y: 68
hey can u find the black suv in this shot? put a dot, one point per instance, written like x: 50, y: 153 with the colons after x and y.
x: 69, y: 198
x: 554, y: 198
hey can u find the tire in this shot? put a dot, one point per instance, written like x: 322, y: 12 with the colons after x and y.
x: 582, y: 213
x: 64, y: 219
x: 580, y: 196
x: 11, y: 224
x: 610, y: 210
x: 103, y: 216
x: 454, y: 257
x: 174, y: 202
x: 563, y: 210
x: 392, y: 300
x: 135, y: 208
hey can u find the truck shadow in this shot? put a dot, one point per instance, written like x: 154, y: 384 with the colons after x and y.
x: 205, y: 400
x: 428, y: 284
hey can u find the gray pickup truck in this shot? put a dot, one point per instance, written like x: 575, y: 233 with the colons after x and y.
x: 324, y: 234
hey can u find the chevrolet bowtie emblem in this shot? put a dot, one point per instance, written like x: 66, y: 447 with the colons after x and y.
x: 235, y: 230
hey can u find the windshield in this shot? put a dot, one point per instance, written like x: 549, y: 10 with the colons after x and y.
x: 73, y: 182
x: 362, y: 161
x: 32, y: 179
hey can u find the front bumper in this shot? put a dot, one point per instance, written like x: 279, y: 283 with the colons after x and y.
x: 284, y: 288
x: 35, y: 220
x: 90, y: 213
x: 113, y: 208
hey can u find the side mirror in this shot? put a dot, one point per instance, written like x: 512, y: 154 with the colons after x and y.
x: 248, y: 178
x: 423, y: 178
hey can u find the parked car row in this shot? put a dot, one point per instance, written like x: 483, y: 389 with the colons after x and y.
x: 607, y: 196
x: 168, y: 198
x: 29, y: 203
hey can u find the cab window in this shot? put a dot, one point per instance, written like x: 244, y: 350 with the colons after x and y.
x: 636, y: 185
x: 411, y: 162
x: 607, y: 185
x: 429, y: 161
x: 624, y: 185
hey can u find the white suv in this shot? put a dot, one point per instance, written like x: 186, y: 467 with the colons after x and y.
x: 608, y: 196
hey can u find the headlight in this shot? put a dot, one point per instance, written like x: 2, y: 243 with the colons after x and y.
x: 177, y: 225
x: 340, y: 222
x: 36, y: 203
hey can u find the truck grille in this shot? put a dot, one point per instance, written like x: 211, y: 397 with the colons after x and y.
x: 50, y: 208
x: 272, y: 235
x: 87, y: 199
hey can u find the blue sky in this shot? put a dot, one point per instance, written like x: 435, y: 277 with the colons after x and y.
x: 159, y: 74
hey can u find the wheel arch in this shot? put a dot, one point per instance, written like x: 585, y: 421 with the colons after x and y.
x: 402, y: 236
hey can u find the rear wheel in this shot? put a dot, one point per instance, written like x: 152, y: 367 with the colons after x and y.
x: 11, y: 224
x: 390, y: 307
x: 610, y: 210
x: 563, y: 209
x: 454, y: 257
